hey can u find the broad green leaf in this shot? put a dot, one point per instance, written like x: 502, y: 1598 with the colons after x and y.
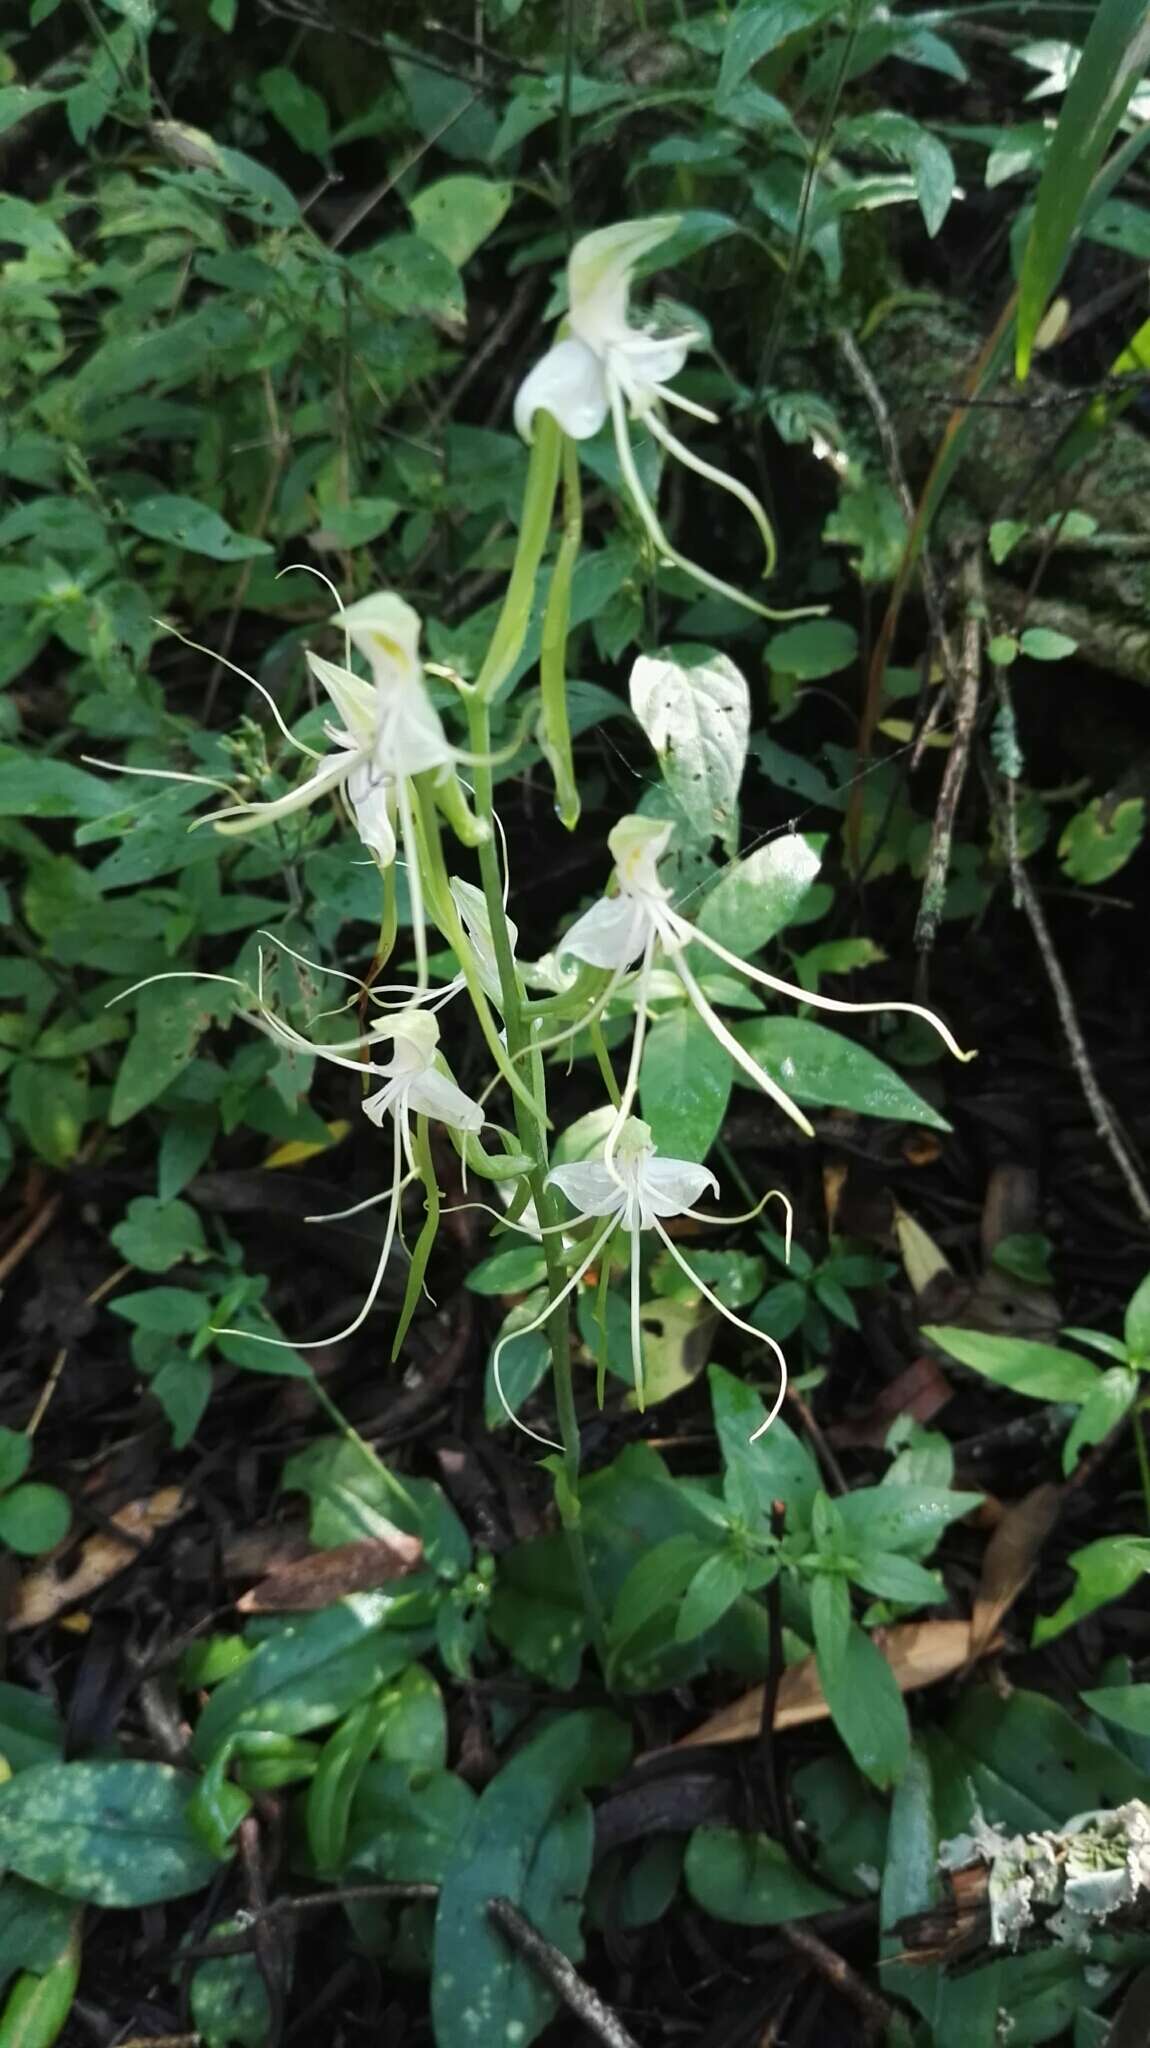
x: 1137, y: 1329
x: 406, y: 1822
x: 714, y: 1588
x: 513, y: 1271
x: 891, y: 1577
x: 778, y: 1467
x: 15, y: 1457
x: 655, y: 1582
x: 759, y: 27
x: 34, y: 1929
x: 1042, y: 643
x: 695, y: 708
x: 1100, y: 839
x: 40, y: 786
x: 1040, y: 1371
x: 1128, y: 1706
x: 910, y: 1880
x: 522, y: 1365
x: 822, y: 1069
x: 407, y: 274
x: 867, y: 1708
x: 1103, y: 1571
x: 896, y: 1517
x: 168, y: 1311
x: 185, y: 523
x: 831, y: 1621
x: 298, y: 108
x: 311, y: 1672
x: 50, y: 1104
x: 34, y: 1518
x: 183, y: 1388
x: 685, y: 1085
x: 736, y: 1277
x: 756, y: 898
x: 896, y: 135
x: 18, y: 101
x: 170, y: 1018
x: 31, y: 1731
x: 749, y: 1880
x: 457, y: 214
x: 1103, y: 1409
x: 508, y: 1851
x: 156, y: 1235
x: 1113, y: 57
x: 819, y: 647
x: 112, y: 1834
x: 229, y: 1998
x: 1029, y: 1763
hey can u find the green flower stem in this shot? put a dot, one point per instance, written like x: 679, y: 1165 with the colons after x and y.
x: 425, y: 1165
x: 534, y: 527
x: 519, y: 1045
x: 555, y: 725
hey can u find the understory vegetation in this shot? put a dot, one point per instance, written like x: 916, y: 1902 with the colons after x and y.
x: 573, y: 1094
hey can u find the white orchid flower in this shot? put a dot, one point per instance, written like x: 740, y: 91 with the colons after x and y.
x: 607, y: 367
x: 471, y: 904
x: 416, y: 1083
x: 633, y: 925
x: 638, y: 1191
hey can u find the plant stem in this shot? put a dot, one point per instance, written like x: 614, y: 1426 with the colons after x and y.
x: 1143, y: 1458
x: 529, y: 1133
x: 534, y: 527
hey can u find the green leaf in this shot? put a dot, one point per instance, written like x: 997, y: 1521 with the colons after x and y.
x: 18, y: 101
x: 891, y: 1577
x: 830, y: 1620
x: 1128, y: 1706
x: 112, y: 1834
x: 156, y: 1235
x: 166, y: 1311
x: 15, y: 1457
x: 749, y: 1880
x: 714, y: 1588
x: 49, y: 1104
x: 35, y: 1931
x: 513, y: 1271
x: 1029, y: 1763
x: 406, y: 1822
x: 31, y: 1731
x: 756, y: 898
x: 901, y: 1517
x: 39, y: 786
x: 34, y: 1518
x: 1040, y: 1371
x: 298, y: 108
x: 511, y: 1850
x: 310, y: 1673
x: 1113, y: 58
x: 522, y: 1365
x: 228, y: 1996
x: 822, y: 1069
x: 1100, y: 839
x: 1003, y: 538
x: 759, y: 27
x: 819, y: 647
x: 1103, y: 1571
x: 685, y: 1085
x: 1042, y: 643
x: 1137, y: 1327
x: 867, y: 1709
x: 185, y: 523
x: 457, y: 214
x: 778, y: 1467
x: 695, y: 708
x: 1103, y: 1409
x: 169, y: 1021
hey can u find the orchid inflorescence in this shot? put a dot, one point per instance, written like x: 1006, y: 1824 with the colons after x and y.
x: 393, y: 766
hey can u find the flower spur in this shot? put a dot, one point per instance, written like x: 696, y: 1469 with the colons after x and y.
x: 607, y: 367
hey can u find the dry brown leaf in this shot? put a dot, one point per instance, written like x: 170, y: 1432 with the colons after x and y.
x: 918, y: 1652
x: 42, y: 1594
x: 919, y: 1392
x: 325, y: 1576
x: 922, y: 1258
x: 1010, y: 1558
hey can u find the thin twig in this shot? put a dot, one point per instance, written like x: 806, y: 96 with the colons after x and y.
x: 305, y: 1902
x: 1041, y: 401
x: 1026, y: 897
x: 552, y: 1965
x: 31, y: 1234
x: 877, y: 2015
x: 965, y: 695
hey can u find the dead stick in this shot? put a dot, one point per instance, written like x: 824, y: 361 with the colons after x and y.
x: 877, y: 2015
x: 964, y: 692
x: 552, y: 1965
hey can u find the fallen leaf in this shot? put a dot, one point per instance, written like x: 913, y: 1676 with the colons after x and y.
x: 920, y: 1255
x: 1010, y: 1558
x: 42, y: 1594
x: 919, y: 1392
x: 921, y: 1148
x: 918, y: 1652
x: 326, y: 1575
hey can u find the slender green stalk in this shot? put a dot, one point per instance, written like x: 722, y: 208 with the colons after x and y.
x: 555, y: 725
x: 534, y: 527
x: 518, y: 1043
x: 425, y: 1165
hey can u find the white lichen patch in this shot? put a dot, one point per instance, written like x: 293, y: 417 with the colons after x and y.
x: 1068, y: 1880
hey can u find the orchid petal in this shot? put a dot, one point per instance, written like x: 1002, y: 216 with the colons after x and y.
x: 725, y: 482
x: 250, y: 817
x: 590, y: 1188
x: 612, y: 933
x: 386, y: 632
x: 642, y: 362
x: 569, y: 383
x: 355, y: 700
x: 434, y: 1095
x: 668, y: 1187
x: 371, y: 797
x: 412, y: 736
x: 599, y: 272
